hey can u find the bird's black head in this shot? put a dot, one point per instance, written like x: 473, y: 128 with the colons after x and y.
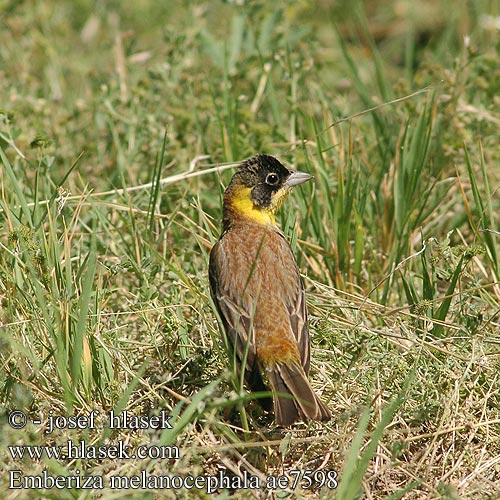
x: 257, y: 190
x: 265, y: 176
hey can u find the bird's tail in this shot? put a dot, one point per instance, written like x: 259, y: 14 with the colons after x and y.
x: 293, y: 397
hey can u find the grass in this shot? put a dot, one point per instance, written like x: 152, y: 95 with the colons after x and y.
x: 119, y: 127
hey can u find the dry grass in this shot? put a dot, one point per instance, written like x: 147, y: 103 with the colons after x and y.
x: 117, y: 131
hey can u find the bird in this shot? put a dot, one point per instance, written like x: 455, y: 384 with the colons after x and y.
x: 258, y: 292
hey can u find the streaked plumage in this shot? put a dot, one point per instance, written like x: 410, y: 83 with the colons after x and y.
x: 257, y: 289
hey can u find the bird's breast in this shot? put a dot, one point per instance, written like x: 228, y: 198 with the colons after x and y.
x: 261, y: 267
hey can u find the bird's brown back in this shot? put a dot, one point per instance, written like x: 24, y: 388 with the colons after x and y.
x: 254, y: 274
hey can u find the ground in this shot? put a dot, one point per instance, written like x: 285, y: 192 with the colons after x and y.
x: 120, y: 123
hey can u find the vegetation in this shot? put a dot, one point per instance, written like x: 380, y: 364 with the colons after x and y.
x: 119, y: 125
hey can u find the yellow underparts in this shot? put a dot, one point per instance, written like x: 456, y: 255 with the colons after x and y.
x: 242, y: 202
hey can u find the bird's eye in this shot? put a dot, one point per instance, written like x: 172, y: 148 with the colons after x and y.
x: 272, y: 179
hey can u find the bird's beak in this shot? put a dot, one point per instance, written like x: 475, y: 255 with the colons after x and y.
x: 295, y: 178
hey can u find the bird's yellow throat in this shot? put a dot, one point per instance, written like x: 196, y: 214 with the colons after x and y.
x: 241, y: 201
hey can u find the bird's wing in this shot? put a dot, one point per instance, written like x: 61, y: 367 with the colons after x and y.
x: 236, y: 320
x: 298, y: 322
x: 296, y: 304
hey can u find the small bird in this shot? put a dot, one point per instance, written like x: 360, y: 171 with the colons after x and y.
x: 258, y: 292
